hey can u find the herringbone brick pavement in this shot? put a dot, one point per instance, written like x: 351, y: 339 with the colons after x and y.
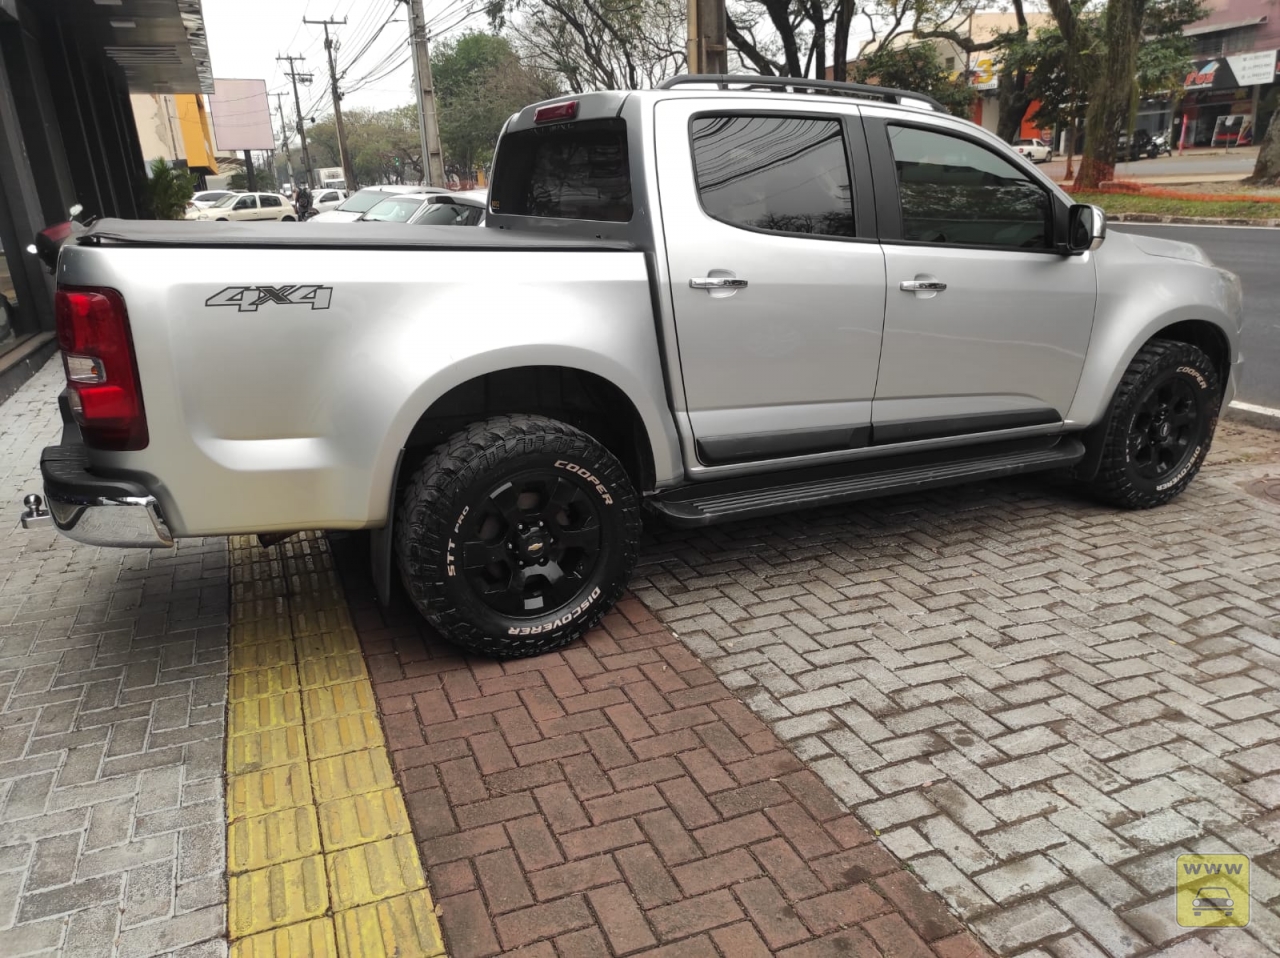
x: 112, y: 698
x: 1035, y: 701
x: 614, y: 798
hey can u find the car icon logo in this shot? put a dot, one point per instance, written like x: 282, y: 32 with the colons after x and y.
x: 1213, y: 899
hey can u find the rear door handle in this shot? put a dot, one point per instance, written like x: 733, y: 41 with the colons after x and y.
x: 718, y: 282
x: 921, y: 286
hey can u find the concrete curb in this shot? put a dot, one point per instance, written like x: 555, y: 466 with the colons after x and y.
x: 1263, y: 417
x: 1190, y: 220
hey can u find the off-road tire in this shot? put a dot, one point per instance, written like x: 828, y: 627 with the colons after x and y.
x: 1161, y: 363
x: 458, y: 477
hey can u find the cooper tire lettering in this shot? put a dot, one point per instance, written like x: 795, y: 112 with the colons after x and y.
x: 586, y: 475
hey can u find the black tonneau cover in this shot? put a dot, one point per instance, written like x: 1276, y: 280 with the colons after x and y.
x: 204, y: 234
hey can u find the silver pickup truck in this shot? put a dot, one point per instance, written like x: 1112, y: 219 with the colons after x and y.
x: 721, y: 298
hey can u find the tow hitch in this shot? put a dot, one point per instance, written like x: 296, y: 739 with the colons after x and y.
x: 36, y: 515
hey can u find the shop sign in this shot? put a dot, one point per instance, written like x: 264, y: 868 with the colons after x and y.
x: 1226, y: 73
x: 982, y: 71
x: 1253, y: 68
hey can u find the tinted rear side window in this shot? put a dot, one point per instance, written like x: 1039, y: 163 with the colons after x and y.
x: 577, y: 171
x: 783, y: 174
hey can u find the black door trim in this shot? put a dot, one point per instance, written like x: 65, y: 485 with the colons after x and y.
x: 725, y: 450
x: 914, y: 430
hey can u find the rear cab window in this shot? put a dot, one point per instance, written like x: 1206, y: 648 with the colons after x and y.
x: 578, y: 171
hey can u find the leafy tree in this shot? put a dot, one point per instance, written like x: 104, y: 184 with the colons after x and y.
x: 1266, y: 169
x: 481, y: 82
x: 168, y: 190
x: 265, y: 177
x: 598, y: 44
x: 917, y: 67
x: 1129, y: 49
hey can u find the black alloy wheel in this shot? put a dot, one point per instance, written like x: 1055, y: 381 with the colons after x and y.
x: 531, y: 543
x: 1165, y: 428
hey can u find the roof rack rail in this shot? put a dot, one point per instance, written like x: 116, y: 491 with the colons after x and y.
x: 801, y: 85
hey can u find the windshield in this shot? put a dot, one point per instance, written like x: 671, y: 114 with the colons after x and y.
x: 446, y: 214
x: 363, y: 201
x: 228, y: 200
x: 395, y: 209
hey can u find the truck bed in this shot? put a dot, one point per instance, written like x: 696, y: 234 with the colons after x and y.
x: 270, y: 235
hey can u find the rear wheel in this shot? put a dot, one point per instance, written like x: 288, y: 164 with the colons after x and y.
x: 1160, y: 425
x: 516, y: 535
x: 287, y: 219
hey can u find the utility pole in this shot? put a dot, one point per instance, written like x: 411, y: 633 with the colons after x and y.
x: 708, y: 50
x: 344, y: 154
x: 284, y: 134
x: 428, y: 123
x: 297, y: 102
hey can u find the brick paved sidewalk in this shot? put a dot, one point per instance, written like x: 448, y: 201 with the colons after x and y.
x: 615, y: 798
x: 112, y: 695
x: 1040, y: 702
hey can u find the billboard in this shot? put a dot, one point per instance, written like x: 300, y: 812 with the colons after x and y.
x: 241, y: 115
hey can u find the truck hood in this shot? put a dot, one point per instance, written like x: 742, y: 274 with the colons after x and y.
x: 1169, y: 249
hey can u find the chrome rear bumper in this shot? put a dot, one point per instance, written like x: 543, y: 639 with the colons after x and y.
x: 98, y: 510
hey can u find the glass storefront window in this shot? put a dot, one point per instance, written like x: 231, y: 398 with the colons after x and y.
x: 8, y: 304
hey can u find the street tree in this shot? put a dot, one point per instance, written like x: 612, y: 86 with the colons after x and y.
x: 917, y: 67
x: 1266, y: 170
x: 1013, y: 95
x: 480, y: 82
x: 597, y: 44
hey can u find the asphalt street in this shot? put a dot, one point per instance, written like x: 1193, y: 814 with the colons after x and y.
x: 1191, y: 165
x: 1253, y: 254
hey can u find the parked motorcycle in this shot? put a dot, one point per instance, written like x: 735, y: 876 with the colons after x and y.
x: 1162, y: 145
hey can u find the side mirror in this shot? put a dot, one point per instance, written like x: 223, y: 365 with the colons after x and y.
x: 1086, y: 228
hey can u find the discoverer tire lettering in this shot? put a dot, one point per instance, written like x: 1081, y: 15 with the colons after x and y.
x: 455, y: 500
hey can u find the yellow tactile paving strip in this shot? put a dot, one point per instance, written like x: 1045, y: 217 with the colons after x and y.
x: 321, y: 859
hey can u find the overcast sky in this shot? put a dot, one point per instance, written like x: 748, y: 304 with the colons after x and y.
x: 246, y: 36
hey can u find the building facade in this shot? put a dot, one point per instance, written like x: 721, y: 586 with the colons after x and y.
x: 67, y: 134
x: 1230, y: 91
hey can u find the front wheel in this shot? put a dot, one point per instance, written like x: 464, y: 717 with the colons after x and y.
x: 516, y: 535
x: 1159, y: 427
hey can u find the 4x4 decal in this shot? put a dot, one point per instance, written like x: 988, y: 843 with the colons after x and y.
x: 247, y: 299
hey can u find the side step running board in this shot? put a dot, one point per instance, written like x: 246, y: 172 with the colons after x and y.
x: 702, y: 504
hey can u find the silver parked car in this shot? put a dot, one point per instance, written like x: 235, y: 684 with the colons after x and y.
x: 361, y: 201
x: 464, y: 208
x: 720, y: 298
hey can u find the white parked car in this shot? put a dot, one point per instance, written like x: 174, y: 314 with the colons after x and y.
x: 362, y: 201
x: 464, y: 208
x: 324, y: 200
x: 206, y: 198
x: 1037, y: 151
x: 247, y: 206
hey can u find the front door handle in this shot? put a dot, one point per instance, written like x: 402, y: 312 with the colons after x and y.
x: 921, y: 286
x: 718, y: 282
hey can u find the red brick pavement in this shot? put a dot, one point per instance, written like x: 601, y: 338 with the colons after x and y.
x: 614, y: 798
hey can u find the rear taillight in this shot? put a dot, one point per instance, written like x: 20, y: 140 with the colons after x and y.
x: 102, y: 374
x: 556, y: 113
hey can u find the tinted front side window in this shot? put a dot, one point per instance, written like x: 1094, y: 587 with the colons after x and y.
x: 778, y: 173
x: 956, y: 192
x: 577, y: 171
